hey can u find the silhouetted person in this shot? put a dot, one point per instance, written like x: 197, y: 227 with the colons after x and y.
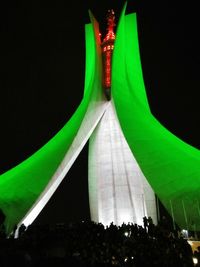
x: 145, y: 222
x: 150, y: 226
x: 21, y: 230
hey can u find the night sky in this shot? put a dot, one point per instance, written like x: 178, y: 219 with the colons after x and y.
x: 42, y: 62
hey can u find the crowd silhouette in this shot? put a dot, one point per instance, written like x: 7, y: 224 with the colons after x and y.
x: 90, y: 244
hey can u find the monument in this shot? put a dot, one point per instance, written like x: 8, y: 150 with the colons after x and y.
x: 131, y: 155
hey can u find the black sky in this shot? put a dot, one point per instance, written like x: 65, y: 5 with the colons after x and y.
x: 42, y: 61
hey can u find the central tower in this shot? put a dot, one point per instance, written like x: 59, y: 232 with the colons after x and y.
x: 118, y: 190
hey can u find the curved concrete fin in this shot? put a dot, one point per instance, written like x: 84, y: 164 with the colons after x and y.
x: 25, y: 189
x: 170, y: 165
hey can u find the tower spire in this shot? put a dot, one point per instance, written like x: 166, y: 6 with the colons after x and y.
x: 107, y: 49
x: 110, y: 22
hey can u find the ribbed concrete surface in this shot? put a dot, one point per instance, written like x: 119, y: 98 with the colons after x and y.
x: 118, y: 190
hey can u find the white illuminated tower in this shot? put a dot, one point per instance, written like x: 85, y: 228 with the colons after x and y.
x: 118, y: 190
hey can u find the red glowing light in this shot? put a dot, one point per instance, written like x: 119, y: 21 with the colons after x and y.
x: 107, y: 47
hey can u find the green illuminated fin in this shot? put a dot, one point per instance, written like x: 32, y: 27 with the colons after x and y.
x: 171, y: 166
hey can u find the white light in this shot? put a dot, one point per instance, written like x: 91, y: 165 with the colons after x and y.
x: 185, y: 233
x: 126, y: 233
x: 195, y: 260
x: 125, y: 260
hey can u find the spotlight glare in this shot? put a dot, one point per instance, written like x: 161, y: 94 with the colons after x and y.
x: 195, y: 260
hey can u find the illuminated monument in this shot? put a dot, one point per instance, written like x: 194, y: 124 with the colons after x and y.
x: 129, y: 150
